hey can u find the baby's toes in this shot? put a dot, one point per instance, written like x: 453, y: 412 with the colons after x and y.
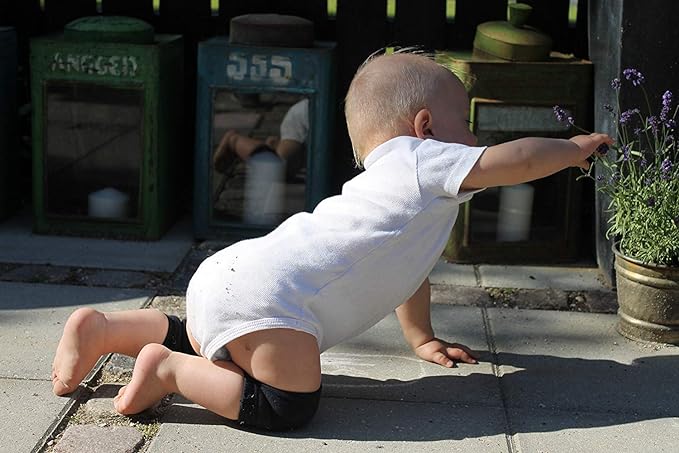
x: 118, y: 399
x: 60, y: 388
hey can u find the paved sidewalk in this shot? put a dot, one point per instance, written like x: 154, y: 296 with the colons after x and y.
x: 554, y: 380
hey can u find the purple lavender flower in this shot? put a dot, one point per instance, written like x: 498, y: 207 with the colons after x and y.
x: 615, y: 84
x: 602, y: 149
x: 627, y: 115
x: 666, y: 104
x: 654, y: 123
x: 665, y: 168
x: 626, y: 151
x: 570, y: 120
x: 608, y: 108
x: 650, y: 202
x: 634, y: 76
x: 560, y: 113
x: 643, y: 162
x: 670, y: 124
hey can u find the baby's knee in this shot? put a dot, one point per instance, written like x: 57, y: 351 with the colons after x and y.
x: 266, y: 407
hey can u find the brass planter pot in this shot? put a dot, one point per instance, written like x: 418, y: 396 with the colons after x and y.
x: 648, y: 296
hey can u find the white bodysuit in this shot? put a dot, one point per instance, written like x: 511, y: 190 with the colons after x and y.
x: 337, y: 271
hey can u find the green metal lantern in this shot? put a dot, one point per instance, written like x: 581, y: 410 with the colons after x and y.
x: 107, y: 122
x: 537, y: 222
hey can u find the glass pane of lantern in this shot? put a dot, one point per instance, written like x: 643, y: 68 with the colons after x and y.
x: 259, y: 156
x: 527, y: 211
x: 94, y: 148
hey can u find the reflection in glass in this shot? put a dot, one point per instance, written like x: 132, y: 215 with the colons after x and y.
x: 259, y: 151
x: 94, y: 146
x: 532, y: 211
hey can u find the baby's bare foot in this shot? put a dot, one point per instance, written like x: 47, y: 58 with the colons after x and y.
x: 79, y: 349
x: 148, y: 385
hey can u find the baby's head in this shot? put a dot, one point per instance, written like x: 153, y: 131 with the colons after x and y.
x: 405, y: 94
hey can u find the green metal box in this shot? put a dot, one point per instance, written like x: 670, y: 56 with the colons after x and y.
x: 537, y: 222
x: 107, y: 127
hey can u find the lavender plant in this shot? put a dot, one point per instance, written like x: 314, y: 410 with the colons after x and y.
x: 641, y: 177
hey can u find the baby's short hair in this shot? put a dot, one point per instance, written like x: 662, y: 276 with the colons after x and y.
x: 386, y: 90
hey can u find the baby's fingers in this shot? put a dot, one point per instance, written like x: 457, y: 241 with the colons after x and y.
x: 461, y: 354
x: 442, y: 359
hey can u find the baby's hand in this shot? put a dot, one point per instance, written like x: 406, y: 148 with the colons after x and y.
x: 444, y: 353
x: 590, y: 144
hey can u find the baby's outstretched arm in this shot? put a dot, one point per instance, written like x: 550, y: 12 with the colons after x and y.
x: 415, y: 319
x: 531, y: 158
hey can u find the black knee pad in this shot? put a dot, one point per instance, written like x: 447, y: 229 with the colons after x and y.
x: 266, y: 407
x: 177, y: 339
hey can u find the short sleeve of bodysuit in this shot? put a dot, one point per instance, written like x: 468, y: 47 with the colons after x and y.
x: 295, y: 124
x: 442, y: 167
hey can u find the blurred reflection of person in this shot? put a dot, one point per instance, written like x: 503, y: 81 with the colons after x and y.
x: 289, y: 146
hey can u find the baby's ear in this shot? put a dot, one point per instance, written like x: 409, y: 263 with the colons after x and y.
x: 422, y: 124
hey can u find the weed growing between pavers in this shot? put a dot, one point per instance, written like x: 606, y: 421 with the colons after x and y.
x: 147, y: 423
x: 502, y: 296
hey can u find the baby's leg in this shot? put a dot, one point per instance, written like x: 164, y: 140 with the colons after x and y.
x: 287, y: 360
x: 159, y: 371
x: 88, y: 334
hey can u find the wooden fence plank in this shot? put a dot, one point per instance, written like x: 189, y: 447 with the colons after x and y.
x: 469, y: 14
x: 61, y: 12
x: 192, y: 19
x: 314, y: 10
x: 233, y: 8
x: 6, y: 13
x: 29, y: 21
x: 360, y: 30
x: 420, y: 23
x: 141, y: 9
x: 552, y: 18
x: 581, y: 31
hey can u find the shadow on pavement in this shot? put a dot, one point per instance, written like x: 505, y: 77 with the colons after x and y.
x: 558, y: 393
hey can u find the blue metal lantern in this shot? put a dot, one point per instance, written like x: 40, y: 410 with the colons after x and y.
x: 252, y: 100
x: 8, y: 67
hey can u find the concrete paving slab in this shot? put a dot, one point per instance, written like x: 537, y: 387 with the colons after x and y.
x: 445, y: 273
x: 460, y: 295
x: 28, y: 410
x: 37, y: 274
x: 540, y: 277
x: 19, y: 245
x: 577, y: 362
x: 118, y: 279
x: 96, y: 439
x: 343, y: 426
x: 379, y: 365
x: 548, y: 431
x: 32, y: 317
